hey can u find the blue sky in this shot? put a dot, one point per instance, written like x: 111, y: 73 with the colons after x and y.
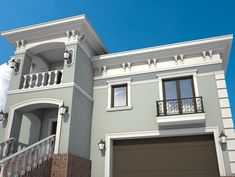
x: 131, y: 24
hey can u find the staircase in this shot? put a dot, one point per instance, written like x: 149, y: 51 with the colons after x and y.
x: 26, y: 159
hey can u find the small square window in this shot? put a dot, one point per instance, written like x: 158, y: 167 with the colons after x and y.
x: 119, y: 95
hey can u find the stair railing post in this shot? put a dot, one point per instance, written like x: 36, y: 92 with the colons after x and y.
x: 2, y: 170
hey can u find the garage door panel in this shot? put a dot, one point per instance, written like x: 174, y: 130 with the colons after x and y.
x: 157, y: 155
x: 166, y: 174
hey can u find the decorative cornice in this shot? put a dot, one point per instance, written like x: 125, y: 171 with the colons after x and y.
x: 178, y: 51
x: 57, y: 29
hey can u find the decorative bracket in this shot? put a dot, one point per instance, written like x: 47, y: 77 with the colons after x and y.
x: 20, y: 44
x: 74, y: 35
x: 152, y: 61
x: 207, y: 53
x: 125, y: 65
x: 179, y: 57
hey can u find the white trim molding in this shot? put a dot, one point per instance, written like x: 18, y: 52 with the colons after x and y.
x: 52, y: 87
x: 109, y: 138
x: 13, y: 108
x: 118, y: 82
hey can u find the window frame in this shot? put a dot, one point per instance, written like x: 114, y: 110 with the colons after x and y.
x: 113, y: 96
x: 178, y: 92
x: 116, y: 83
x: 175, y: 74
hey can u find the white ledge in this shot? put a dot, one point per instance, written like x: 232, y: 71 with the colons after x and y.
x: 123, y: 108
x: 181, y: 119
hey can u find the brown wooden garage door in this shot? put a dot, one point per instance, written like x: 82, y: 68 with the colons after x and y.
x: 189, y: 156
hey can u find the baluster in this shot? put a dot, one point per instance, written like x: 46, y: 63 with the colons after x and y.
x: 2, y: 170
x: 43, y: 79
x: 52, y: 146
x: 37, y: 80
x: 36, y: 159
x: 7, y: 149
x: 12, y: 146
x: 49, y: 78
x: 18, y: 161
x: 30, y: 162
x: 23, y: 164
x: 2, y: 145
x: 25, y: 81
x: 10, y: 167
x: 45, y: 151
x: 30, y: 80
x: 56, y: 77
x: 62, y: 76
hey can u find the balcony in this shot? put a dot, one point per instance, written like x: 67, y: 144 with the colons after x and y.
x: 180, y: 111
x: 42, y: 79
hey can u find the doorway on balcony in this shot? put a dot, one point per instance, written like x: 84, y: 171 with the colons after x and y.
x: 179, y: 96
x: 52, y: 126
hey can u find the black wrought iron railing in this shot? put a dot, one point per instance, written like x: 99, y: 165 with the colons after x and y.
x: 180, y: 106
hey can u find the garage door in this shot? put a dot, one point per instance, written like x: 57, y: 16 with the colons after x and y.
x: 189, y: 156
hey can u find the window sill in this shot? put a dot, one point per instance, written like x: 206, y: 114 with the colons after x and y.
x: 119, y: 108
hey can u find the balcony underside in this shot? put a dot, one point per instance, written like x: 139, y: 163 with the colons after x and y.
x: 186, y: 119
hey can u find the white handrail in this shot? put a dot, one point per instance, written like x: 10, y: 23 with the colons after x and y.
x: 28, y: 158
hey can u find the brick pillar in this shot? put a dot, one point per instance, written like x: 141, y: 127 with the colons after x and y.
x: 66, y: 165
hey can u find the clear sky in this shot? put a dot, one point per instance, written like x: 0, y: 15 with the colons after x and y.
x: 131, y: 24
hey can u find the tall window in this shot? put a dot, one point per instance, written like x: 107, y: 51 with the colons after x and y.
x: 179, y: 96
x: 178, y: 88
x: 119, y: 95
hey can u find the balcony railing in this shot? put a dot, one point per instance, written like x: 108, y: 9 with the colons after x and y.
x: 180, y: 106
x: 42, y: 79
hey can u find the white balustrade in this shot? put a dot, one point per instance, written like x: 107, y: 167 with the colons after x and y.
x: 42, y: 79
x: 28, y: 158
x: 7, y: 147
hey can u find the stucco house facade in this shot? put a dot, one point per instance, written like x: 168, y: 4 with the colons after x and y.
x: 74, y: 109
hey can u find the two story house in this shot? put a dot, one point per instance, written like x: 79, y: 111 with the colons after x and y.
x: 74, y: 109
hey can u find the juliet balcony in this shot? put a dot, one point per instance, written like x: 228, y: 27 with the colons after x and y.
x: 180, y: 111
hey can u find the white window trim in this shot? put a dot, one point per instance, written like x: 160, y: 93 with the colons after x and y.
x: 119, y: 82
x: 163, y: 133
x: 178, y: 74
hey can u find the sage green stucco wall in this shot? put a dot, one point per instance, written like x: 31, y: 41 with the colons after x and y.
x: 80, y: 128
x: 143, y: 115
x: 141, y: 118
x: 29, y: 129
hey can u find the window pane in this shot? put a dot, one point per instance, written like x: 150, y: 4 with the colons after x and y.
x: 170, y: 90
x: 119, y: 96
x: 186, y: 90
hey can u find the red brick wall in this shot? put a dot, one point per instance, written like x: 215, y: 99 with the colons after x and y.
x: 43, y: 170
x: 66, y: 165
